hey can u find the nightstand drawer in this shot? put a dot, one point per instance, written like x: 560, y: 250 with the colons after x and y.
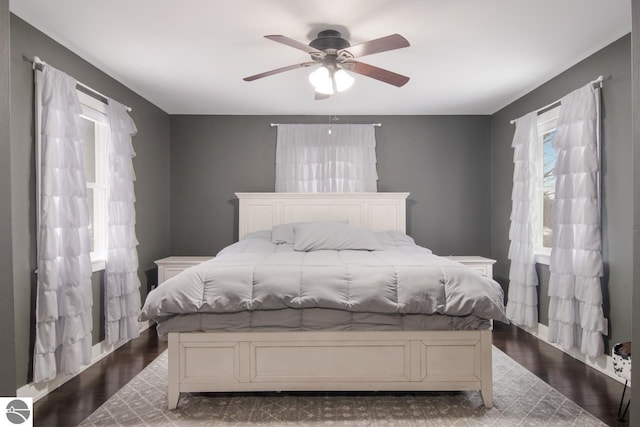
x: 482, y: 265
x: 174, y: 265
x: 169, y: 271
x: 485, y: 270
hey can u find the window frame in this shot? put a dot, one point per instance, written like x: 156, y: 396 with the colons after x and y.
x: 96, y: 111
x: 547, y: 122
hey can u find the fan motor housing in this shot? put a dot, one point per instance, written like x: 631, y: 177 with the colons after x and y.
x: 329, y: 39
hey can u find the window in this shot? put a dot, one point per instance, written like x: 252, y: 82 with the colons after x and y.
x: 94, y: 130
x: 547, y: 157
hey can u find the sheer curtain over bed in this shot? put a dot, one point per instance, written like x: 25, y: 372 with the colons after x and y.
x: 522, y: 301
x: 576, y: 318
x: 122, y: 300
x: 64, y: 297
x: 326, y: 158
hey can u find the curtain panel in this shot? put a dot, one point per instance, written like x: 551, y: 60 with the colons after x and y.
x: 576, y: 318
x: 522, y: 299
x: 122, y: 294
x: 64, y: 296
x: 326, y: 158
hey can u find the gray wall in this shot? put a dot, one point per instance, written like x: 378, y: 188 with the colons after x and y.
x: 635, y: 56
x: 7, y: 333
x: 614, y: 61
x: 151, y: 165
x: 214, y: 156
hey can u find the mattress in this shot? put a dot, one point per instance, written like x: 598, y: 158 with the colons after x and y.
x: 256, y: 284
x: 315, y: 319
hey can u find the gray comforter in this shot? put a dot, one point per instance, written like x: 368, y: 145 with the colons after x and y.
x: 255, y: 274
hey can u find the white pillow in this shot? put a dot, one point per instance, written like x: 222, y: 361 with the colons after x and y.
x: 283, y: 233
x: 337, y: 236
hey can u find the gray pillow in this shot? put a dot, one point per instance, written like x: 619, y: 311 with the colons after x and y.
x: 334, y: 236
x: 283, y: 233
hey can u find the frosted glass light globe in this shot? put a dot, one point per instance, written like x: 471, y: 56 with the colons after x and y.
x: 343, y: 80
x: 321, y: 81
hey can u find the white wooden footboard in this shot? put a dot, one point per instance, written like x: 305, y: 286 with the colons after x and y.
x: 330, y: 360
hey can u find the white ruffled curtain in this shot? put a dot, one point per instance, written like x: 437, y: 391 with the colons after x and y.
x: 64, y: 297
x: 122, y: 299
x: 326, y: 158
x: 575, y: 308
x: 522, y: 299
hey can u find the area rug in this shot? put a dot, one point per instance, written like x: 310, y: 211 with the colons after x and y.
x: 520, y: 399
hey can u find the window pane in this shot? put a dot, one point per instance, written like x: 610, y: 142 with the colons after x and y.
x: 91, y: 218
x: 88, y: 129
x: 94, y: 134
x: 549, y: 185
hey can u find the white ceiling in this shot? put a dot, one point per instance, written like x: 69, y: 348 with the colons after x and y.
x: 466, y: 56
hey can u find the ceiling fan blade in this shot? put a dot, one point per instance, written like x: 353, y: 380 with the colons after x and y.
x: 293, y: 43
x: 383, y: 44
x: 377, y: 73
x: 319, y: 96
x: 277, y: 71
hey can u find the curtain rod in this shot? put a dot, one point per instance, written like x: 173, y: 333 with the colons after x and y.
x: 373, y: 124
x: 39, y: 65
x: 598, y: 81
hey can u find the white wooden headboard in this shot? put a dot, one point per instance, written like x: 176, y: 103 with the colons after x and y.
x: 377, y: 211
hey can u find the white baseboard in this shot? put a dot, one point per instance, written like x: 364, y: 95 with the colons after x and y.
x: 98, y: 352
x: 603, y: 363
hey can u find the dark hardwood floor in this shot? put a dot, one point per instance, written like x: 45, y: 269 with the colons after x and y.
x: 77, y: 399
x: 594, y: 391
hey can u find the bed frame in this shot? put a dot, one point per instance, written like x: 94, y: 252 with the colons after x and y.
x: 328, y: 360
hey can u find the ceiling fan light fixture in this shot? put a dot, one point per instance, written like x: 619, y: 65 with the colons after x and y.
x: 335, y: 56
x: 321, y: 80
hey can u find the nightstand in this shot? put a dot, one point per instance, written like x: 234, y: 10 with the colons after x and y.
x: 173, y: 265
x: 480, y: 264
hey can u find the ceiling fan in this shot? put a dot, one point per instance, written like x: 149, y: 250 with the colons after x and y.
x: 335, y: 56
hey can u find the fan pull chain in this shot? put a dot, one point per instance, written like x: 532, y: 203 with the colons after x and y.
x: 335, y: 117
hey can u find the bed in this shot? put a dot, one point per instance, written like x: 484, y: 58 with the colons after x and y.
x: 355, y: 359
